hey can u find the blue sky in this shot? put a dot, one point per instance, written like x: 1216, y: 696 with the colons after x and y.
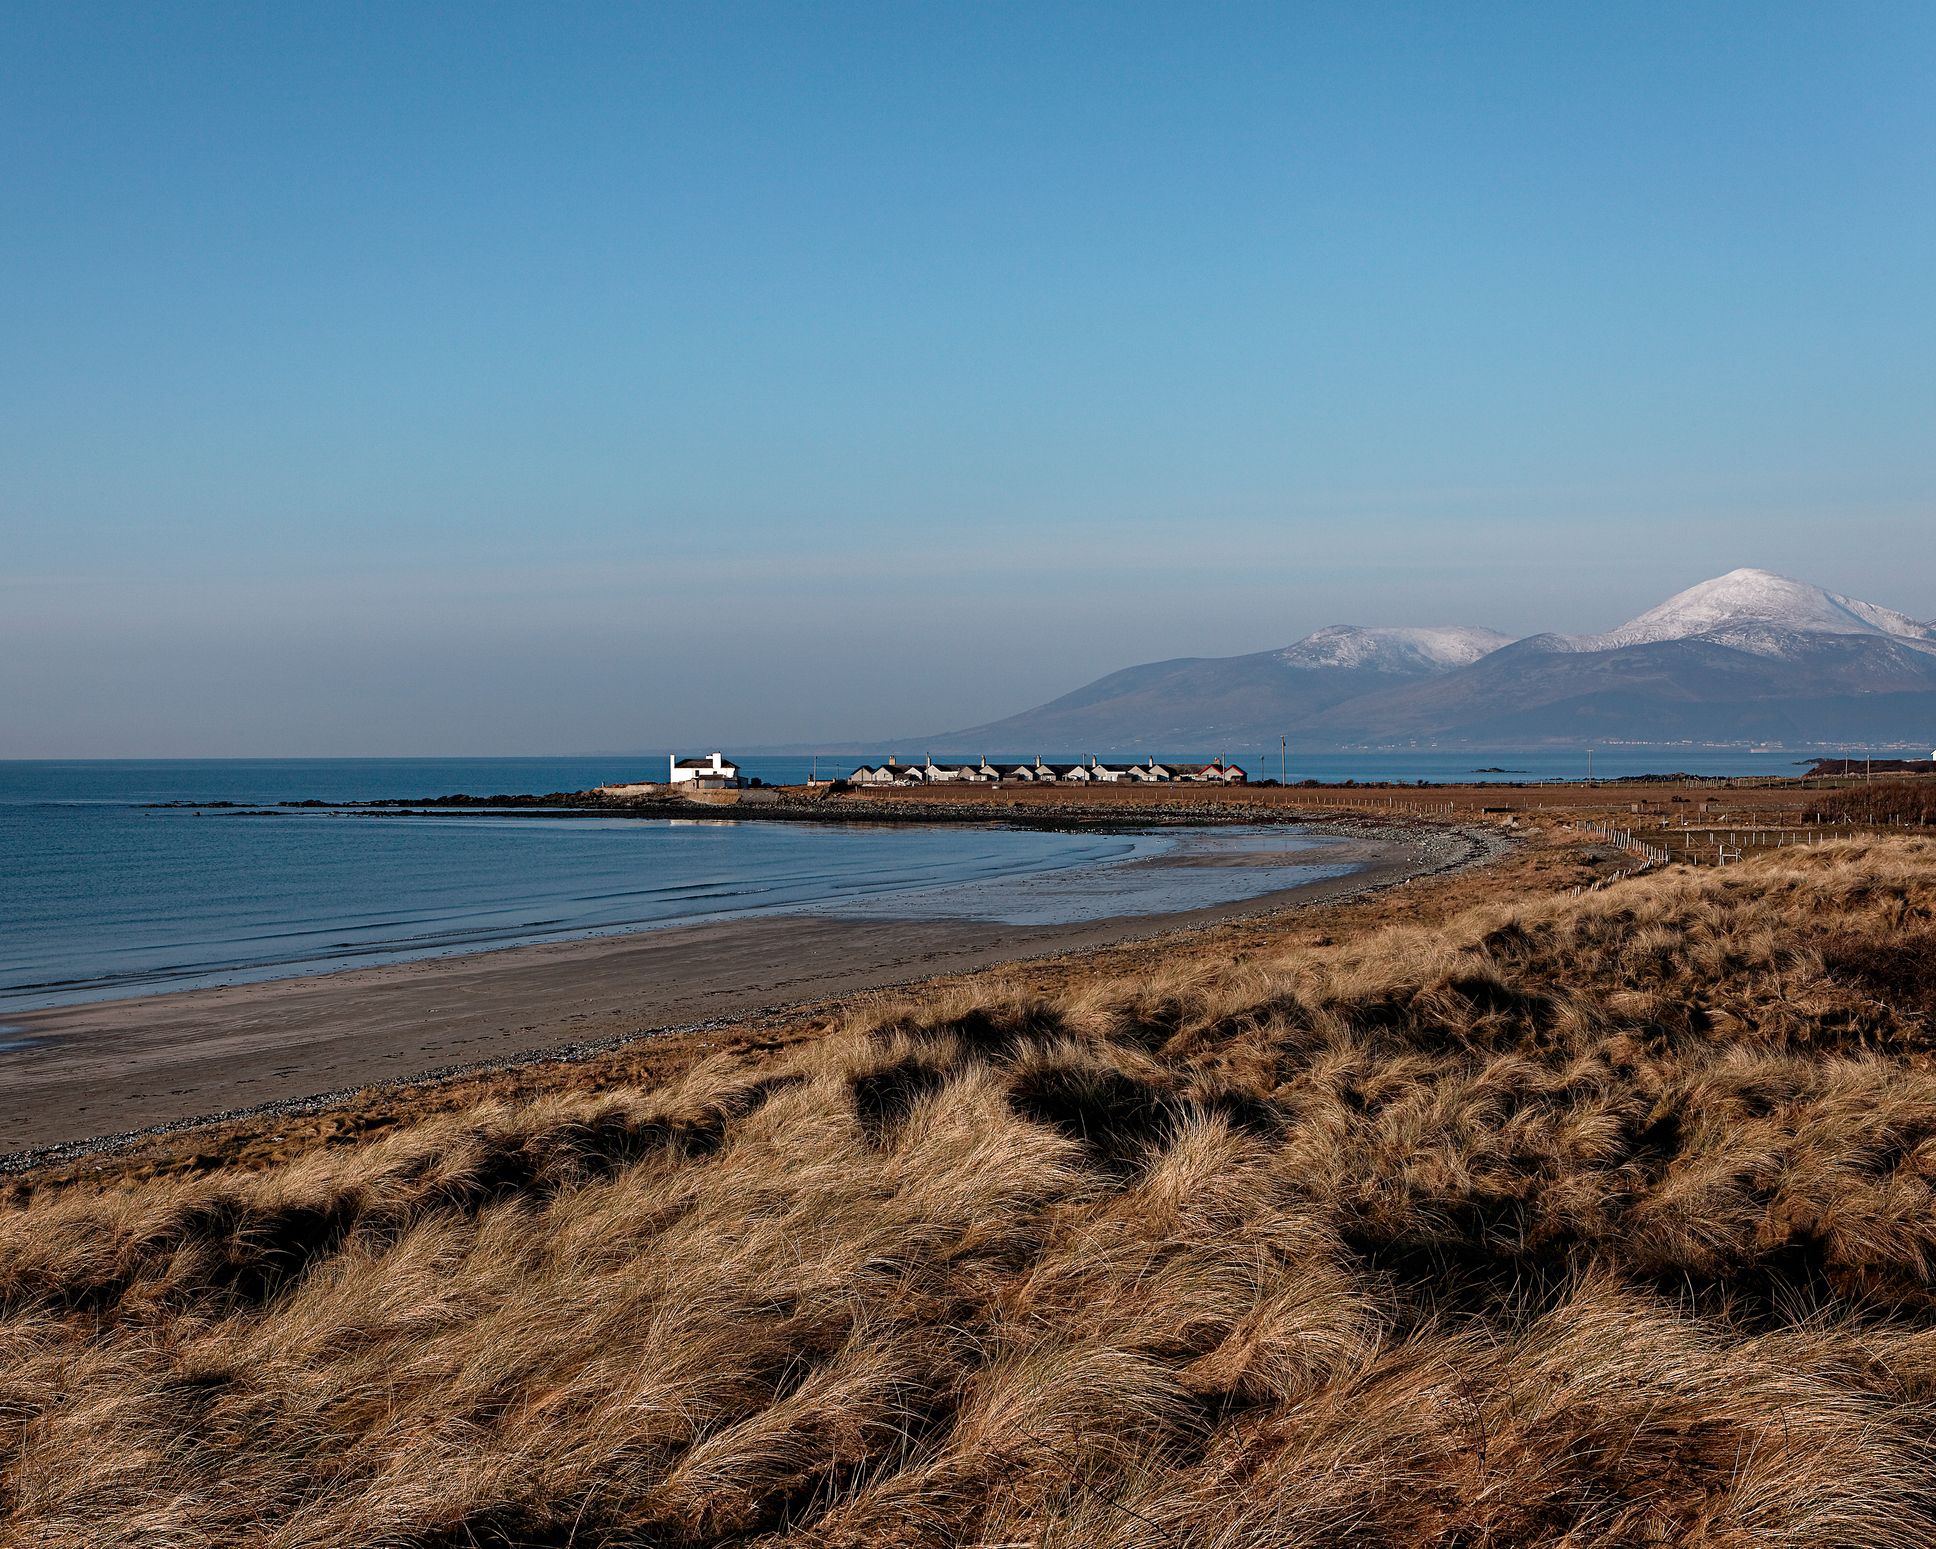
x: 443, y: 379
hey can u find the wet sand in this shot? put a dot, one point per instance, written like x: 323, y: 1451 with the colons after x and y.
x: 107, y: 1068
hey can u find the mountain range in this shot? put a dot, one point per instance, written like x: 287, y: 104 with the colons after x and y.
x: 1746, y: 657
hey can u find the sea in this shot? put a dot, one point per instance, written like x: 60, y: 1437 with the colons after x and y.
x: 107, y: 890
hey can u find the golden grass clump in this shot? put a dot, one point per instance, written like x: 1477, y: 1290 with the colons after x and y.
x: 1605, y: 1219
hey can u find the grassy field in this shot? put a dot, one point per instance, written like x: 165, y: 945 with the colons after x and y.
x: 1515, y: 1209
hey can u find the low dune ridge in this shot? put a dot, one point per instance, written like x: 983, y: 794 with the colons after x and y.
x: 1573, y: 1215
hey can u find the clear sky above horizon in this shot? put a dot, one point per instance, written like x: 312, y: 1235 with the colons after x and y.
x: 491, y: 379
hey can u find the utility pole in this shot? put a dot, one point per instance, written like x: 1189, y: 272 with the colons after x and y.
x: 1283, y: 759
x: 1589, y: 766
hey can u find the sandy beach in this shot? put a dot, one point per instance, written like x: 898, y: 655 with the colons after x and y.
x: 111, y: 1067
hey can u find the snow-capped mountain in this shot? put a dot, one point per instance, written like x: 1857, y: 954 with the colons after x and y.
x: 1758, y: 611
x: 1429, y: 649
x: 1747, y: 656
x: 1228, y: 701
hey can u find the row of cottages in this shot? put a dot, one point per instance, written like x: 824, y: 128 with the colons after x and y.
x: 1094, y: 772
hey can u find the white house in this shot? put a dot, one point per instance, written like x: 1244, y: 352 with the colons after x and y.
x: 951, y: 774
x: 894, y: 772
x: 1216, y: 772
x: 715, y: 770
x: 1053, y: 773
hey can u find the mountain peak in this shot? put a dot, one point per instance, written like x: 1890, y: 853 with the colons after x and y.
x: 1431, y: 648
x: 1749, y: 656
x: 1752, y: 609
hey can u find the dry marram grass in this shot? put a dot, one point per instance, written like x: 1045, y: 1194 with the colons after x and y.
x: 1593, y: 1220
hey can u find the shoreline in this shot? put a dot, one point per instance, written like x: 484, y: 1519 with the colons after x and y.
x: 100, y: 1075
x: 1340, y: 843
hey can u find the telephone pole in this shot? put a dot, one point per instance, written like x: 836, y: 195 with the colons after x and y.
x: 1283, y: 757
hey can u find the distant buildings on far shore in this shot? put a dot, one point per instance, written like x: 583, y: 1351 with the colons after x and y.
x: 928, y: 772
x: 716, y: 772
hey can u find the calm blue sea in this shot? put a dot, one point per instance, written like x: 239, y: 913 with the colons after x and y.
x: 103, y: 894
